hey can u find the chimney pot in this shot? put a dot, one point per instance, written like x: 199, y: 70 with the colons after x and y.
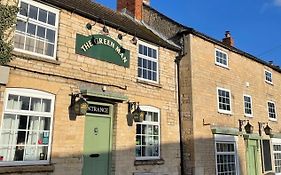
x: 228, y: 40
x: 147, y: 2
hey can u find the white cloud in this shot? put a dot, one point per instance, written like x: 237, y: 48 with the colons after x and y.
x: 277, y: 2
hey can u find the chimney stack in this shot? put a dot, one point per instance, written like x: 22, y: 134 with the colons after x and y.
x: 134, y: 7
x: 228, y: 40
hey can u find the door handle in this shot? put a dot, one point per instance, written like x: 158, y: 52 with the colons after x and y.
x: 94, y: 155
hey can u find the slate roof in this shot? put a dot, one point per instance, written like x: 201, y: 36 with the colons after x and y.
x: 99, y: 13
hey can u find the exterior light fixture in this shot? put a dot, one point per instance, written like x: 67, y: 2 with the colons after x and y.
x: 134, y: 40
x: 267, y: 130
x: 89, y: 26
x: 248, y: 127
x: 79, y: 106
x: 105, y: 30
x: 135, y: 112
x: 120, y: 36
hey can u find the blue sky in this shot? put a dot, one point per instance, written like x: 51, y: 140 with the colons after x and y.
x: 255, y: 25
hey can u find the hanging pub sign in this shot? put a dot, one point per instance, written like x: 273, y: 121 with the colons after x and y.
x: 103, y: 48
x: 98, y: 109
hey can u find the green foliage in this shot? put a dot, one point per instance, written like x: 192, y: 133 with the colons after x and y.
x: 8, y: 16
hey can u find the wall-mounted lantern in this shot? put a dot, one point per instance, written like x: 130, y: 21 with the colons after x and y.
x: 135, y: 112
x: 248, y: 127
x: 79, y: 106
x: 267, y: 130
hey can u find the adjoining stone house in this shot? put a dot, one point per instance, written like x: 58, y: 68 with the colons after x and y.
x: 225, y: 92
x: 71, y: 51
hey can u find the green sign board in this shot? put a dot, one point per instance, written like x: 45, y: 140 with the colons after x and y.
x: 103, y: 48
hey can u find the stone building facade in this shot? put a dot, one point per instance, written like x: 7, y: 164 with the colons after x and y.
x: 230, y: 103
x: 117, y: 65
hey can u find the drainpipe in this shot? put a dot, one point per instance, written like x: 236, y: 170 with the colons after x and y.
x: 178, y: 59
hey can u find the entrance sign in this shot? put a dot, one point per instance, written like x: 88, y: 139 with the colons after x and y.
x: 98, y: 109
x: 103, y: 48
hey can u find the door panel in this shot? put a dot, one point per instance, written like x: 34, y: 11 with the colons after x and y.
x: 253, y: 161
x: 97, y: 145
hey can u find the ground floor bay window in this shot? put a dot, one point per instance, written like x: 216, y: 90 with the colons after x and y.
x: 25, y: 132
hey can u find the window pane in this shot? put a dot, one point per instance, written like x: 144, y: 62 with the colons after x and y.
x: 50, y: 36
x: 154, y: 55
x: 33, y: 12
x: 42, y: 15
x: 35, y: 104
x: 21, y: 26
x: 33, y: 123
x: 42, y: 153
x: 19, y: 41
x: 46, y: 105
x: 45, y: 123
x: 19, y: 153
x: 22, y: 122
x: 30, y: 44
x: 24, y: 103
x: 51, y: 18
x: 32, y: 138
x: 50, y: 49
x: 9, y: 121
x: 41, y: 31
x: 31, y: 28
x: 7, y: 137
x: 23, y: 9
x: 39, y: 48
x: 30, y: 153
x: 13, y: 102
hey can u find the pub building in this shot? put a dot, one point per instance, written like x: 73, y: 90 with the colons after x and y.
x: 89, y: 91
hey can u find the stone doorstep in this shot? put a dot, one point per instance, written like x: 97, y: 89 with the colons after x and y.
x: 27, y: 169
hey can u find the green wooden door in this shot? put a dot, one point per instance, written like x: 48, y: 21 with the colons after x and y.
x: 97, y: 143
x: 253, y: 161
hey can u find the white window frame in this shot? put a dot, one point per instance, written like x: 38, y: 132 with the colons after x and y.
x: 48, y: 8
x: 251, y: 103
x: 36, y: 94
x: 221, y: 110
x: 220, y: 138
x: 265, y: 77
x: 149, y: 58
x: 156, y: 110
x: 275, y: 141
x: 218, y: 63
x: 272, y: 119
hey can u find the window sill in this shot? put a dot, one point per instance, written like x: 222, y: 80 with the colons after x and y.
x: 222, y: 65
x: 27, y: 169
x: 149, y: 83
x: 269, y: 82
x: 32, y: 57
x: 272, y: 119
x: 248, y: 116
x: 149, y: 162
x: 225, y: 112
